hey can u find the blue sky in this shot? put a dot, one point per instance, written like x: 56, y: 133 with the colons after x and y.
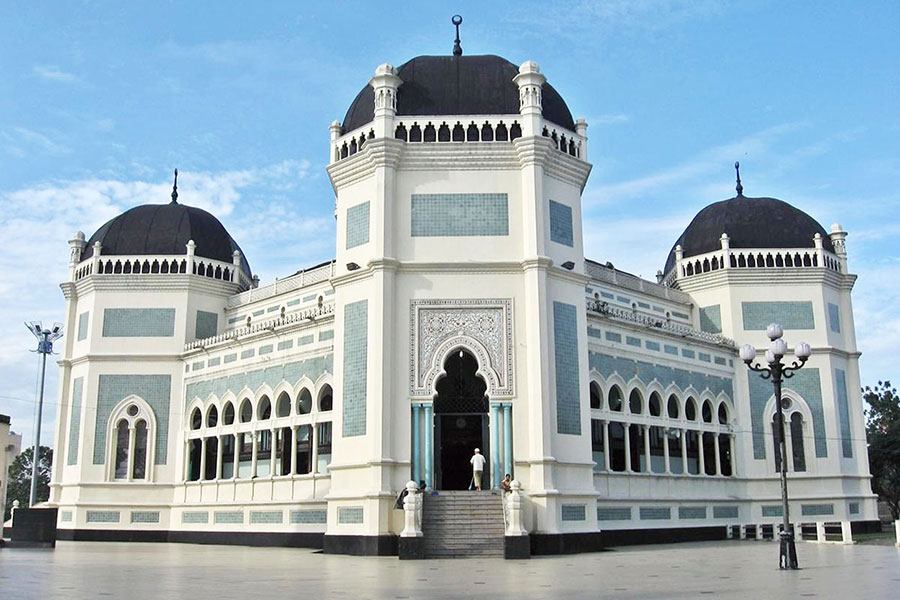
x: 99, y: 101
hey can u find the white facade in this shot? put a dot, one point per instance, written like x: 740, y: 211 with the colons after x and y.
x: 619, y: 404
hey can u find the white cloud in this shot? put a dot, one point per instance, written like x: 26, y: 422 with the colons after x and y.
x: 53, y: 73
x: 22, y: 136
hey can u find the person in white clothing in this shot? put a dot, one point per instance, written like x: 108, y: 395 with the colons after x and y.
x: 477, y: 461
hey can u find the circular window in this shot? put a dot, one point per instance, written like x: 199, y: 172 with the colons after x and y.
x: 132, y: 410
x: 786, y: 403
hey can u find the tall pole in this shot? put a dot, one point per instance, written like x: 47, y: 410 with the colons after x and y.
x: 35, y: 458
x: 788, y: 554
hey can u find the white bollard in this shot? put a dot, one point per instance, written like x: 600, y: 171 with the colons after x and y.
x: 846, y: 532
x: 411, y: 526
x: 514, y: 503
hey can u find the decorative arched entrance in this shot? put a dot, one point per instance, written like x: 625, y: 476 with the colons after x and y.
x: 460, y: 423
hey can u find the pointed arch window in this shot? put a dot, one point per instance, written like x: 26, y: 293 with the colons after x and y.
x: 130, y: 441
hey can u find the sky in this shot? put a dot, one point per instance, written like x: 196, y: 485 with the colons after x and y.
x: 100, y: 101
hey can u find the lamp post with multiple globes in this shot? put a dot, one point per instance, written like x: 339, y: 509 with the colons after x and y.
x: 778, y: 371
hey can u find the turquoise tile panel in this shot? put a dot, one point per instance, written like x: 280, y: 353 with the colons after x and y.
x: 607, y: 364
x: 614, y: 337
x: 83, y: 320
x: 691, y: 512
x: 711, y: 319
x: 565, y: 342
x: 308, y: 516
x: 286, y: 345
x: 772, y: 510
x: 613, y: 513
x: 655, y: 513
x: 230, y: 358
x: 687, y: 353
x: 573, y: 512
x: 355, y: 368
x: 103, y: 516
x: 607, y: 295
x: 594, y: 332
x: 834, y: 317
x: 230, y: 517
x: 138, y: 322
x: 633, y: 341
x: 260, y: 312
x: 843, y: 411
x: 214, y: 362
x: 309, y: 298
x: 680, y: 315
x: 350, y: 515
x: 816, y: 510
x: 673, y: 350
x: 326, y: 335
x: 156, y: 390
x: 248, y: 353
x: 145, y: 516
x: 357, y: 225
x: 652, y: 345
x: 704, y: 357
x: 207, y: 324
x: 306, y: 339
x: 272, y: 308
x: 720, y: 361
x: 75, y: 421
x: 725, y: 512
x: 66, y: 516
x: 806, y: 383
x: 459, y: 215
x: 195, y: 516
x: 561, y: 230
x: 266, y: 517
x: 267, y: 349
x: 853, y: 508
x: 790, y: 315
x: 293, y: 302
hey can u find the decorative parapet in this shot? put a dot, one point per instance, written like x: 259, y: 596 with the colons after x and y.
x: 270, y: 325
x: 294, y: 282
x: 598, y: 307
x: 754, y: 258
x: 175, y: 264
x: 626, y: 280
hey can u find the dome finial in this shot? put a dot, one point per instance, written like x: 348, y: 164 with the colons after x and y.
x: 737, y: 170
x: 175, y: 189
x: 457, y: 49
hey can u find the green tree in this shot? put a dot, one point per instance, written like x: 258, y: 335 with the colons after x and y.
x: 19, y: 478
x: 883, y: 434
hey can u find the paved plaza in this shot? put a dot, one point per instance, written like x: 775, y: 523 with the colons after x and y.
x: 709, y: 569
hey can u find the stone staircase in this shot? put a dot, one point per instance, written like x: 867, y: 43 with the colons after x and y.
x: 462, y: 524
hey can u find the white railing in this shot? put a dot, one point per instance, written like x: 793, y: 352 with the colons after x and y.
x: 599, y: 307
x: 281, y: 286
x: 609, y: 274
x: 754, y: 258
x: 269, y: 325
x: 173, y: 264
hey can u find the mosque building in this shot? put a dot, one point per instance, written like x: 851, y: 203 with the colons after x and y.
x: 459, y: 312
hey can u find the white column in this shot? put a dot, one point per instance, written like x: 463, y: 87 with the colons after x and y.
x: 646, y: 432
x: 731, y: 451
x: 314, y: 447
x: 684, y: 463
x: 666, y: 451
x: 627, y: 427
x: 718, y: 454
x: 294, y: 450
x: 272, y: 452
x: 237, y: 454
x: 131, y: 436
x: 218, y: 457
x: 606, y: 445
x: 202, y: 459
x: 255, y: 438
x: 701, y: 454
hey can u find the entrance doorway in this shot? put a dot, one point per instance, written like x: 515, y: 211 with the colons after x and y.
x: 460, y: 424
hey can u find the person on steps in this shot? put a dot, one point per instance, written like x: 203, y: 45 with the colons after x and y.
x: 477, y: 461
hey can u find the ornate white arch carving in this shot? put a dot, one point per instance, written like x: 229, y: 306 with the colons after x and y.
x: 485, y: 372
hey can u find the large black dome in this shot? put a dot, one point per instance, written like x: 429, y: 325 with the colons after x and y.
x: 457, y: 85
x: 165, y: 229
x: 749, y: 223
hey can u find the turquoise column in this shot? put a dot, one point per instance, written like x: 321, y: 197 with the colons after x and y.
x: 417, y: 445
x: 507, y: 438
x: 495, y: 446
x: 429, y: 443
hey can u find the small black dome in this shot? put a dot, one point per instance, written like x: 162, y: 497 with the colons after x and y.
x: 457, y: 85
x: 165, y: 229
x: 749, y: 223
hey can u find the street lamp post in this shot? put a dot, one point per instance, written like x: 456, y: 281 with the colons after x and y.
x: 45, y: 338
x: 777, y: 371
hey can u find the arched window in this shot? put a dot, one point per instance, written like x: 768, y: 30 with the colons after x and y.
x: 130, y: 441
x: 707, y: 412
x: 228, y: 414
x: 304, y: 402
x: 672, y: 407
x: 635, y: 402
x: 655, y: 405
x: 616, y: 446
x: 690, y: 409
x: 326, y: 400
x: 196, y: 419
x: 264, y: 411
x: 283, y: 408
x: 596, y: 396
x: 723, y: 414
x: 797, y: 453
x: 246, y: 411
x: 139, y: 462
x: 615, y: 399
x: 212, y: 416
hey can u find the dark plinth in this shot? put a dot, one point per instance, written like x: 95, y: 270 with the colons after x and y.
x: 411, y: 548
x: 516, y: 546
x: 361, y: 545
x: 34, y: 527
